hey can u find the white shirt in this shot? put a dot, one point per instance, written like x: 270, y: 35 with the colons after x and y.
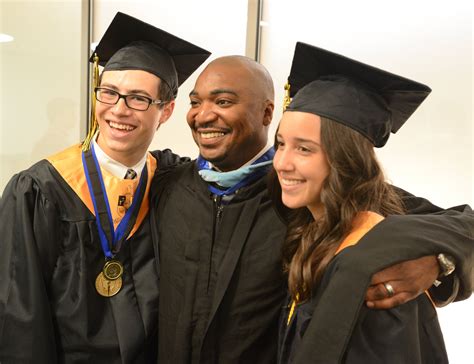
x: 116, y: 168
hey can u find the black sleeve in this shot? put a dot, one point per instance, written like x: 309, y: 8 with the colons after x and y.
x: 27, y: 258
x: 418, y: 205
x: 167, y: 159
x: 456, y: 227
x: 163, y: 180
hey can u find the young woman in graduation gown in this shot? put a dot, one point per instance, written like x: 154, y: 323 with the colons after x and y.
x: 327, y: 174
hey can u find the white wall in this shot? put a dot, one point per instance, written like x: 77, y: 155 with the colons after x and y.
x: 431, y: 42
x: 42, y: 81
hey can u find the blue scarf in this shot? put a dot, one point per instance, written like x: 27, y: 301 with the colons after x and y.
x: 233, y: 180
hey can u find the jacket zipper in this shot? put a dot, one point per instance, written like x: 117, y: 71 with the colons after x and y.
x: 218, y: 207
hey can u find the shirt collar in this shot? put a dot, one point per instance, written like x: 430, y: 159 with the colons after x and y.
x: 117, y: 169
x: 258, y: 155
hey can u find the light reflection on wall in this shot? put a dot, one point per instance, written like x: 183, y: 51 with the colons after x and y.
x: 5, y: 38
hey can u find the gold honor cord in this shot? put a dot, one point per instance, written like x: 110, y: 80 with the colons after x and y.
x: 86, y: 145
x: 292, y: 307
x: 287, y: 98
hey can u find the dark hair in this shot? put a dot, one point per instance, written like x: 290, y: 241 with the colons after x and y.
x: 355, y: 183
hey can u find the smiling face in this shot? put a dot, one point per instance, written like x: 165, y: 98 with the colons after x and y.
x: 230, y: 111
x: 300, y: 161
x: 125, y: 134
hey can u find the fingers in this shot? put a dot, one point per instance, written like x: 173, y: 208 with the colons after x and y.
x: 380, y: 292
x: 387, y: 303
x: 388, y: 295
x: 405, y: 280
x: 401, y: 282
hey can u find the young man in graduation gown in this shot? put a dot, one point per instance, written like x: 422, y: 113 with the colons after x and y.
x: 221, y: 282
x: 78, y: 281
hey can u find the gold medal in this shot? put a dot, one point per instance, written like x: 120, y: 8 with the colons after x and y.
x: 112, y: 270
x: 106, y: 287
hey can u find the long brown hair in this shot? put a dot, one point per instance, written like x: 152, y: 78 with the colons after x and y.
x: 355, y: 183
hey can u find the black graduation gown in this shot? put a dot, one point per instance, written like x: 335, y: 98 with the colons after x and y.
x: 50, y: 256
x: 336, y: 327
x: 409, y: 333
x: 221, y: 281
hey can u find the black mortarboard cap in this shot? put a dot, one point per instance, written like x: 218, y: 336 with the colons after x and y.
x: 131, y: 44
x: 369, y: 100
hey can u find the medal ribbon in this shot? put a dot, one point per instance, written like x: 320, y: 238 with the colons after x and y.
x: 111, y: 240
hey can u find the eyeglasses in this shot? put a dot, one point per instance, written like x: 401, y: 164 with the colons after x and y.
x: 135, y: 102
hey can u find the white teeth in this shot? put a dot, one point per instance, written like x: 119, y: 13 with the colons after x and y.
x: 291, y: 182
x: 211, y: 135
x: 121, y: 126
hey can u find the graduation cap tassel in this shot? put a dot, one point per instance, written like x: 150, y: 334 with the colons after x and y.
x: 93, y: 126
x: 286, y: 98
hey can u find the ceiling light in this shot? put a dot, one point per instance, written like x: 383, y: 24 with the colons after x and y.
x: 4, y: 38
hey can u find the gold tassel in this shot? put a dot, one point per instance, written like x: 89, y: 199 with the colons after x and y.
x: 292, y: 309
x: 287, y: 98
x: 93, y: 126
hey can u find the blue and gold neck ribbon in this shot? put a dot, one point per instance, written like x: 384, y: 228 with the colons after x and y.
x: 233, y: 180
x: 111, y: 239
